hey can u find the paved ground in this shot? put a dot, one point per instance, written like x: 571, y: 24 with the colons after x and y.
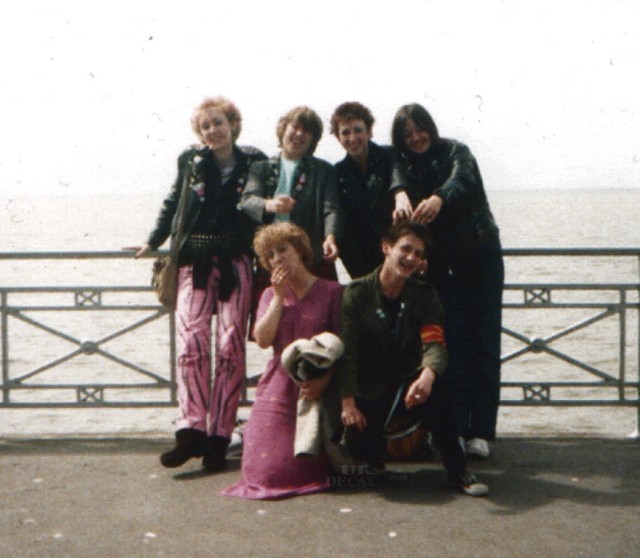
x: 111, y: 498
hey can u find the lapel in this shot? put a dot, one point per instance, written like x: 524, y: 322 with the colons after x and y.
x: 272, y: 176
x: 357, y: 192
x: 383, y: 335
x: 375, y: 180
x: 301, y: 186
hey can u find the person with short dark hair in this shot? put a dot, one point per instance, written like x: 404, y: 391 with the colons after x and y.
x: 444, y: 190
x: 395, y: 356
x: 365, y: 177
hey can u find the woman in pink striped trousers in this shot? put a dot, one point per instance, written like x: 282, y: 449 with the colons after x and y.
x: 214, y: 278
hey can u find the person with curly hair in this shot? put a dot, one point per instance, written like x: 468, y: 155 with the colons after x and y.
x: 297, y: 305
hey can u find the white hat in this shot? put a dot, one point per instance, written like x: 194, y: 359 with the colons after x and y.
x: 321, y: 351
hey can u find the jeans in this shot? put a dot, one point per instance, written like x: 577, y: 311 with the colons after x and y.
x: 434, y: 414
x: 472, y: 302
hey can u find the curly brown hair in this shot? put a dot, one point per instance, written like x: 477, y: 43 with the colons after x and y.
x: 349, y: 111
x: 269, y: 236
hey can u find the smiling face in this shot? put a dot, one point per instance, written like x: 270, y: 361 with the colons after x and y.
x: 405, y: 257
x: 415, y: 139
x: 296, y: 141
x: 354, y: 136
x: 215, y: 130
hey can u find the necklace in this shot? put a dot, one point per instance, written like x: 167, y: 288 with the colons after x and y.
x: 395, y: 330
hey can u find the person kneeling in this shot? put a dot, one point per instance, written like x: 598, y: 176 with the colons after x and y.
x: 391, y: 326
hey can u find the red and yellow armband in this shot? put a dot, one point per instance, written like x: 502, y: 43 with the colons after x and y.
x: 432, y: 333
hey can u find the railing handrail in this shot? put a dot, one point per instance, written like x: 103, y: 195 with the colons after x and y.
x: 127, y: 254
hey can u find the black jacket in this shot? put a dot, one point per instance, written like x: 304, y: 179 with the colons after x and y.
x: 317, y: 210
x: 208, y: 197
x: 367, y: 204
x: 465, y: 225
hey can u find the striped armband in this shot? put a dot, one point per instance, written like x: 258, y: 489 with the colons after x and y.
x: 432, y: 333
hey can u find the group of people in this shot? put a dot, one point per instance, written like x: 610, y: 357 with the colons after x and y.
x: 419, y: 324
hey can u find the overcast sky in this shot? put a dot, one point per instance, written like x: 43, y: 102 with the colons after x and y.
x: 96, y: 97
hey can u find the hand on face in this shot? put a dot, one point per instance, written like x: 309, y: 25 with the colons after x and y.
x: 280, y: 280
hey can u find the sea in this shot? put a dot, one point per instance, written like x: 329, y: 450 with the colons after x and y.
x: 589, y: 218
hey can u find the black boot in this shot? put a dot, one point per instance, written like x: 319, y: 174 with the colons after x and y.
x: 215, y: 455
x: 189, y: 443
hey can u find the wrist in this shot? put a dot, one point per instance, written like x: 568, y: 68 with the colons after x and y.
x: 428, y: 375
x: 348, y: 403
x: 277, y: 303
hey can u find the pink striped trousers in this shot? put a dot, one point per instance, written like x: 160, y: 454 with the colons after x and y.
x: 212, y: 407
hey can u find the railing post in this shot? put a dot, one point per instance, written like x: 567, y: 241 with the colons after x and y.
x: 622, y: 364
x: 638, y: 353
x: 172, y: 356
x: 4, y: 325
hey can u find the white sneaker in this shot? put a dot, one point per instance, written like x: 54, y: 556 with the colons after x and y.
x: 469, y: 484
x: 478, y: 448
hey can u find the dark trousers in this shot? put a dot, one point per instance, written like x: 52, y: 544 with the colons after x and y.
x: 435, y: 414
x: 473, y: 321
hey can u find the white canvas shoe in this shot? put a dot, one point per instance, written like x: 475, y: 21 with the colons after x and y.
x: 478, y: 448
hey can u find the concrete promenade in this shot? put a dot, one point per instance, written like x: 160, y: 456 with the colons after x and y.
x: 109, y: 497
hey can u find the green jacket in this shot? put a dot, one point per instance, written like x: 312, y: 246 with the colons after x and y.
x: 373, y: 362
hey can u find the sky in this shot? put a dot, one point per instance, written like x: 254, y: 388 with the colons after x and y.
x: 96, y: 98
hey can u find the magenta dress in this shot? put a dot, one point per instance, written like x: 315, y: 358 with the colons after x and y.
x: 269, y: 468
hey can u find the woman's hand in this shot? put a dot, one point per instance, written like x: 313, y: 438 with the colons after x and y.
x: 139, y: 250
x: 330, y: 249
x: 420, y: 390
x: 403, y: 209
x: 427, y: 210
x: 280, y: 204
x: 313, y: 389
x: 351, y: 415
x: 279, y: 282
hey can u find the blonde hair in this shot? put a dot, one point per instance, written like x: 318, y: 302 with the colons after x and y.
x: 270, y: 236
x: 223, y: 104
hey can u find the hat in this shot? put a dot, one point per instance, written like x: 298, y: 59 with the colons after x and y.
x: 321, y: 351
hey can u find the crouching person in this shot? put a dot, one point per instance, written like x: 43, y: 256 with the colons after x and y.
x: 394, y: 357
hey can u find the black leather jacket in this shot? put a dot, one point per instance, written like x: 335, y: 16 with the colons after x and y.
x: 465, y: 225
x: 368, y: 205
x: 221, y: 212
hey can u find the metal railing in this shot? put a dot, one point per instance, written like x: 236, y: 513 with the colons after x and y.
x: 565, y: 343
x: 588, y: 353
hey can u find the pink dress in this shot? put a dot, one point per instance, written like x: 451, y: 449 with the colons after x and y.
x: 269, y: 468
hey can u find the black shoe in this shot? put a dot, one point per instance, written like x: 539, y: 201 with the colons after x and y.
x: 468, y: 483
x: 215, y: 455
x: 189, y: 443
